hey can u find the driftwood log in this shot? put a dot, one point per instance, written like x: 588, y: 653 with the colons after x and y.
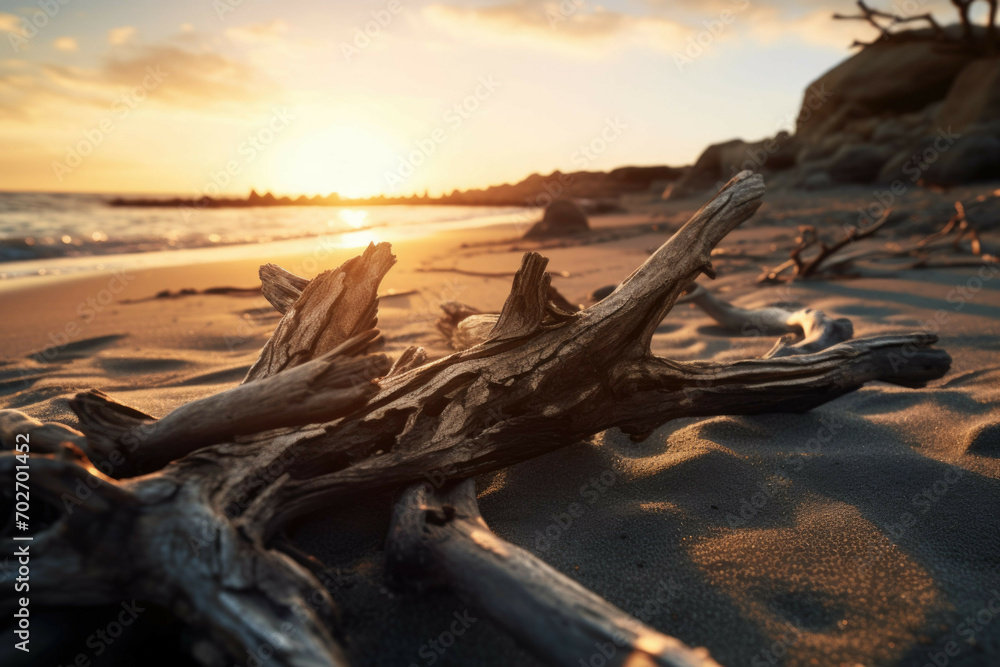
x: 185, y: 511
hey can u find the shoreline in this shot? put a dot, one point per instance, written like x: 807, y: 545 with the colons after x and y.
x: 212, y: 251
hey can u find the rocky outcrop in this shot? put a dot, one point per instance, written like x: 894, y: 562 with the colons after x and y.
x: 857, y: 163
x: 893, y: 77
x: 911, y: 107
x: 720, y: 162
x: 972, y: 158
x: 539, y: 190
x: 974, y: 97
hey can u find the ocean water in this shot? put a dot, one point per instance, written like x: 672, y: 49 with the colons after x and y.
x: 39, y: 232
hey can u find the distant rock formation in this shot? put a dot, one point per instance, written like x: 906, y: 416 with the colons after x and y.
x: 720, y: 162
x: 539, y: 190
x: 912, y: 108
x: 600, y: 189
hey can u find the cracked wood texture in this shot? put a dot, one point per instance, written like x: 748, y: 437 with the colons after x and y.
x: 185, y: 510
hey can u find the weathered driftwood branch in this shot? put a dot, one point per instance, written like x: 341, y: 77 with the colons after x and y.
x: 951, y: 237
x: 808, y: 239
x: 321, y: 390
x: 195, y: 535
x: 281, y: 288
x: 464, y: 326
x: 875, y: 18
x: 45, y: 438
x: 804, y: 331
x: 328, y: 312
x: 957, y: 237
x: 439, y: 539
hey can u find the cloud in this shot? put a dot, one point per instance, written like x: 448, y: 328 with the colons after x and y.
x: 565, y: 23
x: 193, y: 77
x: 122, y: 35
x: 258, y: 32
x: 10, y: 23
x: 816, y: 27
x: 665, y: 25
x: 66, y: 44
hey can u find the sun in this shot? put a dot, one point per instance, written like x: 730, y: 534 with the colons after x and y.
x: 350, y: 161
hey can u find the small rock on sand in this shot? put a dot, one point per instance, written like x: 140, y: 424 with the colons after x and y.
x: 562, y: 217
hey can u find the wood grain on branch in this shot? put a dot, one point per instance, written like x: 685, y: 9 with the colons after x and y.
x: 317, y: 391
x: 335, y: 306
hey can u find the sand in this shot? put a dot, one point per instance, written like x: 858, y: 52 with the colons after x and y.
x: 862, y: 532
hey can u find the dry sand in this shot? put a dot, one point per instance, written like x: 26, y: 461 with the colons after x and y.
x: 863, y: 532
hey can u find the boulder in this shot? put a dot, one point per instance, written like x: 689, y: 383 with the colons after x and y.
x: 902, y: 74
x: 863, y: 127
x: 713, y: 165
x: 781, y: 151
x: 827, y: 146
x: 974, y: 97
x: 601, y: 293
x: 858, y: 163
x: 889, y: 130
x: 562, y: 218
x: 904, y: 165
x: 720, y: 162
x: 816, y: 179
x: 911, y: 162
x: 972, y: 158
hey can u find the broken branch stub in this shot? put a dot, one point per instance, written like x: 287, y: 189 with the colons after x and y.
x: 334, y: 306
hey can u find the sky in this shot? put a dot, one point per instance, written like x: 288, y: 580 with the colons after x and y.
x: 394, y: 96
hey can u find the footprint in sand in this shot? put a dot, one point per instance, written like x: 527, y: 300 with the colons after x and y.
x: 816, y: 585
x: 224, y: 376
x: 141, y: 365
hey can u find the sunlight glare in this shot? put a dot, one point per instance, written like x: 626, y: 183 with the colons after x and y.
x: 354, y: 217
x: 359, y: 239
x: 350, y: 161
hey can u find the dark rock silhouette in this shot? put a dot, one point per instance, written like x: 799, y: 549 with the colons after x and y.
x: 562, y: 218
x: 603, y: 189
x: 858, y: 163
x: 918, y: 106
x: 899, y: 75
x: 974, y: 96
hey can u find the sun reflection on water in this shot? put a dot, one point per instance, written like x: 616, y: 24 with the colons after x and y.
x: 354, y: 217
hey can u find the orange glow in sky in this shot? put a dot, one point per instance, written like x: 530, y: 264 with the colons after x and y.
x: 196, y: 97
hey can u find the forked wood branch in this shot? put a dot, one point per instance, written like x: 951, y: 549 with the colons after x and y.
x: 184, y: 514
